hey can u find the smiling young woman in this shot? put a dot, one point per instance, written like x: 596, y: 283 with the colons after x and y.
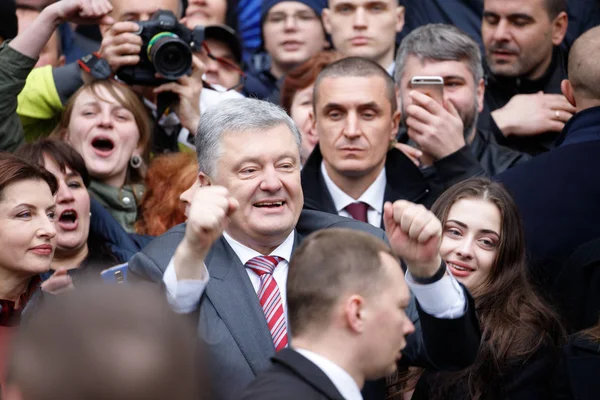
x: 483, y: 246
x: 109, y: 126
x: 27, y: 237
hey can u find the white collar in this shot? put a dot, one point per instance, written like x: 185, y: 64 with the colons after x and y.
x: 341, y: 379
x: 245, y: 253
x: 391, y: 69
x: 373, y: 196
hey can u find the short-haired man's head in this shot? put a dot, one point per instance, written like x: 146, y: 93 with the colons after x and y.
x: 439, y: 42
x: 236, y: 116
x: 328, y: 265
x: 356, y: 67
x: 105, y: 342
x: 555, y: 7
x: 584, y: 70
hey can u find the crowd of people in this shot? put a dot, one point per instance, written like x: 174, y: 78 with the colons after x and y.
x: 299, y: 199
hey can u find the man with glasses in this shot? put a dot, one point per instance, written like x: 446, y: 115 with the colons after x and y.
x: 222, y: 58
x: 292, y: 33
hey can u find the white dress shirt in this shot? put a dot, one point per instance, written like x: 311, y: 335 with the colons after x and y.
x: 184, y: 295
x: 342, y: 380
x: 373, y: 196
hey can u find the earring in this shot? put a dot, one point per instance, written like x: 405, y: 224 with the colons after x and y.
x: 135, y: 162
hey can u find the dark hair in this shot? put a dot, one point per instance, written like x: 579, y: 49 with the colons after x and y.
x: 356, y: 67
x: 61, y: 152
x: 555, y: 7
x: 328, y: 263
x: 304, y: 75
x: 14, y: 169
x: 106, y: 342
x: 516, y: 322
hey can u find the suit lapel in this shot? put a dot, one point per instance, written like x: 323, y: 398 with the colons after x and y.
x: 232, y: 294
x: 308, y: 372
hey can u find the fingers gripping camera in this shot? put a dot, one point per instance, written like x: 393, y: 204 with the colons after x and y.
x: 167, y: 48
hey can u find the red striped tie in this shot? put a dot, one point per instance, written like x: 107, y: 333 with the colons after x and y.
x: 270, y: 298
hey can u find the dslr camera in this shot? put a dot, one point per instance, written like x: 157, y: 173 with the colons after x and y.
x: 167, y: 48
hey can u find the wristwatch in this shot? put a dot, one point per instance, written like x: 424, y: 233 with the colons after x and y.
x: 95, y: 65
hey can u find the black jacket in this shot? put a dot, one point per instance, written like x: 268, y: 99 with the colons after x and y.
x: 293, y: 377
x: 493, y: 157
x: 404, y: 179
x: 557, y: 195
x: 577, y: 374
x: 499, y: 90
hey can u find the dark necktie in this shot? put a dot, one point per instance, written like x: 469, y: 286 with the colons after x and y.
x: 358, y: 211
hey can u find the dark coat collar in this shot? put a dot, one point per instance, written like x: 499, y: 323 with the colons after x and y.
x: 582, y: 127
x: 308, y: 371
x: 404, y: 181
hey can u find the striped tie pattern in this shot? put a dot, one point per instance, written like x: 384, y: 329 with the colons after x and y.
x: 270, y: 298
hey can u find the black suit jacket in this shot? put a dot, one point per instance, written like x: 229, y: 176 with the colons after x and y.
x: 234, y: 332
x: 404, y: 179
x: 293, y: 377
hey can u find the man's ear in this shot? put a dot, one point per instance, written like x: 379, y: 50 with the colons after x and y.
x: 355, y: 313
x: 480, y: 93
x: 559, y: 28
x: 204, y: 179
x: 395, y: 124
x: 400, y: 13
x: 567, y: 91
x: 313, y: 124
x: 61, y: 61
x: 325, y: 18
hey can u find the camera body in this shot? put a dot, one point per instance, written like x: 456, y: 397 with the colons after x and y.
x: 167, y: 48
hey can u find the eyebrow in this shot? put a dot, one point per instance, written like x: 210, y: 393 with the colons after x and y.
x: 371, y: 104
x: 258, y: 161
x: 451, y: 77
x: 463, y: 225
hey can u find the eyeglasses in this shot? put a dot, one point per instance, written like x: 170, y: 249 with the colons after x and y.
x: 227, y: 65
x: 300, y: 18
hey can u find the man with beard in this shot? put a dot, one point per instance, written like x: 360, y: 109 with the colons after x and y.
x: 447, y: 133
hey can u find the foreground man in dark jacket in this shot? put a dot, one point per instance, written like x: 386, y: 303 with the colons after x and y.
x: 447, y: 132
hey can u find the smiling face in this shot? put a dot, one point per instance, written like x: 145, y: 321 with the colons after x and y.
x: 262, y: 171
x: 364, y: 28
x: 355, y: 125
x: 292, y: 34
x: 72, y: 208
x: 519, y: 36
x: 27, y: 227
x: 459, y: 87
x: 472, y: 234
x: 105, y: 134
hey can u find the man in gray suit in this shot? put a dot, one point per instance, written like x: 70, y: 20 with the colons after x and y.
x: 245, y: 218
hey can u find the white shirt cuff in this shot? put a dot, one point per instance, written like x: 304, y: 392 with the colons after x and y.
x: 444, y: 298
x: 183, y: 296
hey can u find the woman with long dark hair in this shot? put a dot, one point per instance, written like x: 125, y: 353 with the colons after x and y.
x: 483, y: 247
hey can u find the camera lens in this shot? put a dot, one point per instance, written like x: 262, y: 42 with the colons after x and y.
x: 171, y: 56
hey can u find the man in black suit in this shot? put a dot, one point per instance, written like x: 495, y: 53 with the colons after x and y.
x: 355, y: 168
x: 557, y: 192
x: 345, y: 328
x: 245, y: 219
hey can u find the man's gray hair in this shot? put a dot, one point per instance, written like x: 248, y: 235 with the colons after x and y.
x: 439, y: 42
x: 236, y: 116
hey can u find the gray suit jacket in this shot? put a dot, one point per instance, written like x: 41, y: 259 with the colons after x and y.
x: 231, y: 323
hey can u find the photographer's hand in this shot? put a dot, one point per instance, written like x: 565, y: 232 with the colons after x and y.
x: 121, y: 46
x: 188, y: 89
